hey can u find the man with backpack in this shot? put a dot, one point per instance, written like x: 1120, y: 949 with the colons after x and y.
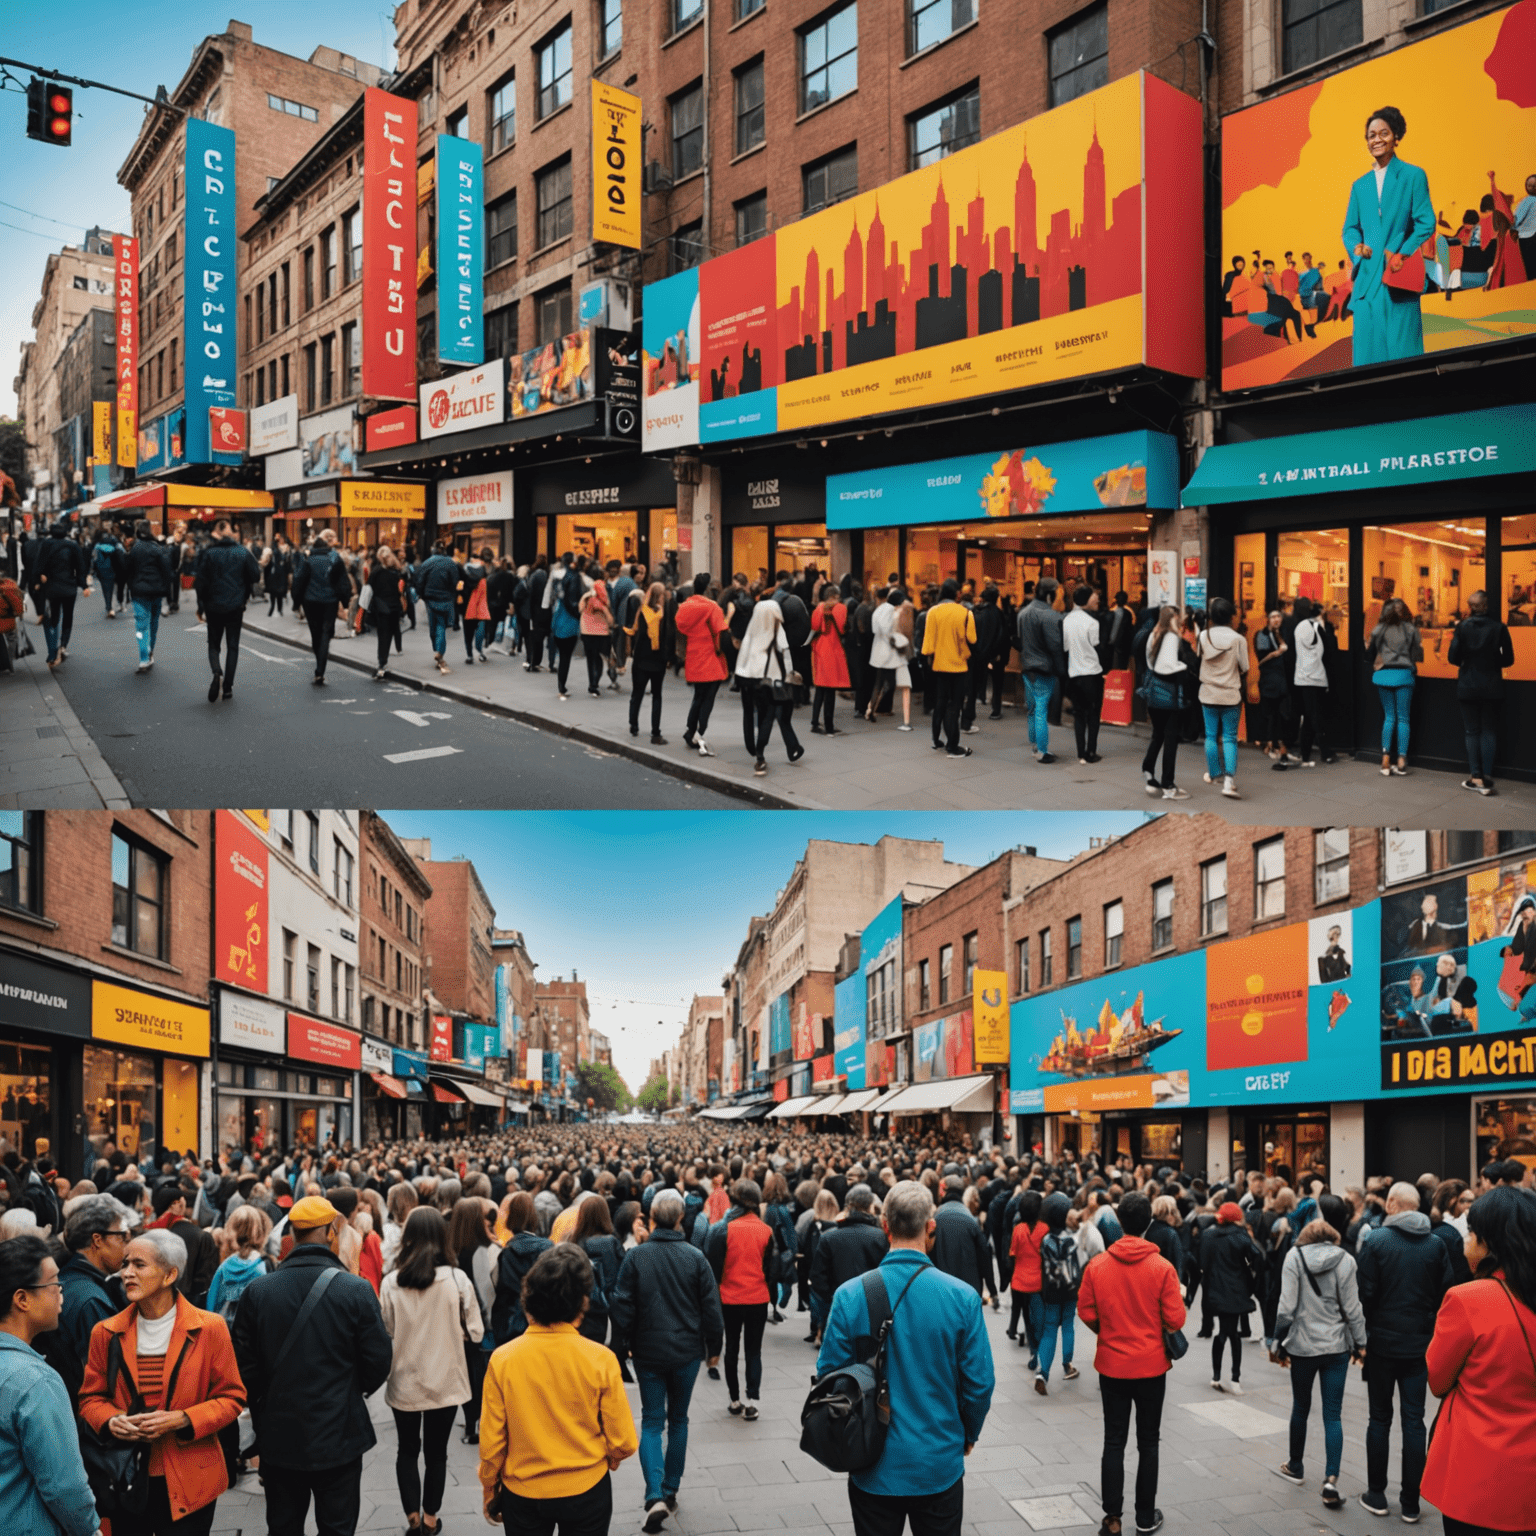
x: 437, y: 580
x: 320, y: 586
x: 1061, y: 1273
x: 936, y: 1365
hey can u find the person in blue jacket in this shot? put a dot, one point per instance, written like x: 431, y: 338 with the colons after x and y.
x: 1390, y: 216
x: 939, y: 1372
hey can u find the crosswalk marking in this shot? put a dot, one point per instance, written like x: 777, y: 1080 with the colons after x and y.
x: 421, y: 755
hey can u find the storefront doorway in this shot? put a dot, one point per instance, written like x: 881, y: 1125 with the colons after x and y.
x: 1293, y: 1142
x: 1503, y: 1129
x: 24, y: 1095
x: 760, y: 553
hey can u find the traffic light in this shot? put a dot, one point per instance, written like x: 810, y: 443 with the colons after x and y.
x: 50, y: 111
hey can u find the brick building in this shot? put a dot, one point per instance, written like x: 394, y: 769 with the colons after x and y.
x: 456, y: 942
x: 395, y: 894
x: 563, y: 1020
x: 515, y: 988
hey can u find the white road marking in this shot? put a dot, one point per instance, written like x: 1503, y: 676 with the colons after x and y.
x: 1240, y: 1419
x: 416, y: 757
x: 401, y: 688
x: 338, y: 701
x: 425, y: 717
x: 282, y: 661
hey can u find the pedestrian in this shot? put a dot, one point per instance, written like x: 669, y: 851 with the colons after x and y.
x: 436, y: 580
x: 43, y: 1487
x: 1080, y: 633
x: 949, y: 632
x: 700, y: 622
x: 1043, y: 661
x: 1024, y: 1244
x: 666, y: 1316
x: 959, y: 1245
x: 96, y: 1236
x: 939, y: 1376
x: 500, y: 583
x: 1481, y: 1468
x: 312, y: 1347
x: 1395, y: 649
x: 170, y: 1207
x: 596, y: 634
x: 60, y: 571
x: 556, y: 1422
x: 248, y: 1228
x: 1232, y: 1268
x: 385, y: 604
x: 1311, y: 640
x: 829, y: 661
x: 779, y: 1213
x: 850, y: 1248
x: 534, y: 607
x: 991, y: 636
x: 564, y: 593
x: 276, y: 569
x: 13, y: 611
x: 474, y: 605
x: 517, y: 1258
x: 1223, y: 658
x: 107, y: 558
x: 893, y: 628
x: 1319, y: 1329
x: 321, y: 586
x: 431, y: 1313
x: 1404, y: 1275
x: 858, y: 644
x: 765, y: 678
x: 623, y: 580
x: 742, y: 1251
x: 1061, y: 1272
x: 1130, y: 1299
x: 1480, y: 650
x: 794, y: 600
x: 1270, y: 649
x: 147, y: 569
x: 472, y: 1246
x: 593, y: 1233
x: 175, y: 1387
x: 652, y: 634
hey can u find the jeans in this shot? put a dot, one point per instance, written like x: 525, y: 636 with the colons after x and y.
x: 432, y: 1427
x: 664, y: 1397
x: 1221, y: 739
x: 1480, y: 719
x: 1055, y: 1317
x: 1330, y: 1372
x: 699, y: 708
x: 224, y: 633
x: 578, y: 1514
x: 473, y: 638
x: 156, y: 1519
x: 1118, y: 1395
x: 337, y: 1491
x: 638, y: 684
x: 58, y: 621
x: 751, y: 1318
x: 565, y: 648
x: 439, y: 617
x: 948, y: 694
x: 1038, y: 688
x: 1087, y: 695
x: 1410, y: 1378
x: 1312, y: 704
x: 1227, y: 1323
x: 768, y: 711
x: 146, y: 625
x: 930, y: 1514
x: 1026, y: 1310
x: 322, y: 627
x: 1395, y: 703
x: 595, y: 648
x: 1165, y: 739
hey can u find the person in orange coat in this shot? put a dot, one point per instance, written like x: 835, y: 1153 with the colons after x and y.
x: 700, y: 620
x: 12, y: 607
x: 1481, y: 1469
x: 829, y: 660
x: 177, y: 1361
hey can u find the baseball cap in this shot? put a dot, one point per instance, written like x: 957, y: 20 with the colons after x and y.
x: 312, y: 1211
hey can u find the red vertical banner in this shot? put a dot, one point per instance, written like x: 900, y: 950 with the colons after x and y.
x: 441, y: 1048
x: 125, y: 301
x: 389, y: 240
x: 239, y: 903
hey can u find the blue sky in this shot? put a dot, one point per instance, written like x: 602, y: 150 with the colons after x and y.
x: 52, y: 196
x: 651, y: 906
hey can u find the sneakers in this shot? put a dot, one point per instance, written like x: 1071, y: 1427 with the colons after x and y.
x: 1234, y: 1388
x: 1146, y: 1527
x: 1374, y: 1503
x: 714, y: 1372
x: 1046, y: 757
x: 1154, y: 788
x: 1409, y: 1514
x: 213, y: 688
x: 733, y: 1408
x: 1229, y: 788
x: 760, y: 767
x: 704, y: 748
x: 1332, y: 1498
x: 970, y: 730
x: 903, y: 727
x: 751, y: 1411
x: 797, y: 754
x: 317, y: 680
x: 657, y: 739
x: 1070, y: 1373
x: 1290, y: 1474
x: 689, y: 741
x: 958, y: 752
x: 1040, y: 1387
x: 143, y: 666
x: 229, y: 693
x: 655, y: 1516
x: 378, y: 676
x: 1175, y: 794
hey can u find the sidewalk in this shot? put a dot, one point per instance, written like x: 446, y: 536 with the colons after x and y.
x: 877, y: 767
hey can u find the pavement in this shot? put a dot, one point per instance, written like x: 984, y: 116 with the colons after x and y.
x: 1035, y: 1469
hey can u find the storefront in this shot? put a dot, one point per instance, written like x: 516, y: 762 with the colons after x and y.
x: 173, y: 510
x: 774, y: 519
x: 619, y: 507
x: 45, y: 1016
x: 410, y: 1070
x: 382, y: 1093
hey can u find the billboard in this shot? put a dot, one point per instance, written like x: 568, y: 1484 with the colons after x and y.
x: 944, y: 1048
x: 274, y: 426
x: 1062, y: 247
x: 616, y: 140
x: 441, y: 1042
x: 779, y: 1035
x: 463, y: 401
x: 669, y: 363
x: 1322, y: 270
x: 239, y: 903
x: 989, y: 1008
x: 546, y: 378
x: 460, y: 251
x: 806, y: 1028
x: 125, y: 264
x: 326, y: 1045
x: 848, y: 1037
x: 389, y: 223
x: 209, y: 292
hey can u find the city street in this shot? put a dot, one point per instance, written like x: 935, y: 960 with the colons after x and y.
x: 1035, y: 1470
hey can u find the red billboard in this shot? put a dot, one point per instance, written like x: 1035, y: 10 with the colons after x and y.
x: 239, y: 903
x: 326, y: 1045
x: 391, y: 429
x: 442, y: 1038
x: 389, y: 240
x: 125, y: 299
x: 226, y: 429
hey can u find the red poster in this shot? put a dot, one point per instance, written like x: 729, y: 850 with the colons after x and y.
x: 959, y: 1045
x: 226, y: 429
x: 239, y: 903
x: 391, y: 429
x: 781, y: 1090
x: 389, y: 246
x: 1256, y: 1000
x: 326, y: 1045
x: 738, y: 295
x: 805, y: 1047
x: 125, y: 253
x: 442, y: 1038
x: 1117, y: 698
x: 821, y: 1069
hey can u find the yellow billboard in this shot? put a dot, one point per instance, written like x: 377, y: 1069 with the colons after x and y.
x: 379, y: 498
x: 989, y: 1010
x: 126, y: 1016
x: 101, y: 431
x: 615, y: 166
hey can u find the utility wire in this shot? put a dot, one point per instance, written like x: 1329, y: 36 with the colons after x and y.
x: 41, y: 234
x: 48, y: 218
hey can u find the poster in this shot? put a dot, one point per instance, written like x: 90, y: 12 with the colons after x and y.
x: 989, y: 1007
x: 616, y: 157
x: 848, y: 1037
x: 440, y: 1046
x: 460, y: 251
x: 805, y: 1045
x: 546, y: 378
x: 1256, y: 999
x: 780, y: 1041
x: 1300, y: 297
x: 389, y: 239
x: 240, y: 938
x: 669, y: 368
x: 209, y: 295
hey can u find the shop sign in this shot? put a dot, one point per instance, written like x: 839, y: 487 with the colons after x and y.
x: 460, y: 251
x: 475, y: 498
x: 1162, y: 578
x: 326, y: 1045
x: 226, y: 429
x: 126, y: 1016
x: 944, y: 1048
x: 625, y: 481
x: 780, y: 497
x: 464, y: 401
x: 481, y: 1042
x: 1194, y: 593
x: 989, y: 1009
x: 375, y: 1055
x: 240, y: 911
x: 551, y: 377
x: 442, y: 1038
x: 149, y: 446
x: 209, y: 293
x: 391, y: 429
x: 389, y: 237
x: 1021, y: 1101
x: 274, y: 426
x: 382, y: 498
x: 616, y: 137
x: 1483, y: 1061
x: 1406, y: 855
x: 616, y: 366
x: 38, y: 996
x: 251, y: 1023
x: 125, y: 264
x: 101, y: 432
x: 411, y: 1065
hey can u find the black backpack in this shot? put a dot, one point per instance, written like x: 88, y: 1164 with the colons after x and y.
x: 845, y: 1418
x: 1061, y: 1267
x: 572, y: 590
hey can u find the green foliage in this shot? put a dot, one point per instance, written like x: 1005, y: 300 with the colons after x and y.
x: 653, y: 1097
x: 601, y: 1083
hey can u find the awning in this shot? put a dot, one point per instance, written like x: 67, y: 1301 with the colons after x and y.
x: 177, y: 494
x: 859, y: 1099
x: 824, y: 1104
x: 756, y: 1111
x: 445, y: 1095
x: 414, y: 1089
x: 1498, y: 441
x: 388, y: 1085
x: 133, y: 496
x: 723, y: 1112
x: 788, y: 1109
x: 478, y: 1095
x: 962, y: 1094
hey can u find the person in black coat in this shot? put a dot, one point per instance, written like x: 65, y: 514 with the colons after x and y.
x: 320, y: 585
x: 1164, y: 1233
x: 959, y: 1245
x: 991, y: 637
x: 275, y: 575
x: 1232, y: 1266
x: 508, y: 1320
x: 857, y: 1244
x: 1480, y: 650
x: 386, y: 603
x: 797, y: 628
x: 150, y: 581
x: 60, y: 572
x: 226, y: 576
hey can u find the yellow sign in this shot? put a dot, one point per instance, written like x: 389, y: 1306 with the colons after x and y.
x: 426, y: 179
x: 989, y: 1011
x: 129, y: 1017
x: 262, y: 819
x: 101, y: 431
x: 128, y: 439
x: 1100, y: 1094
x: 378, y: 498
x: 615, y: 166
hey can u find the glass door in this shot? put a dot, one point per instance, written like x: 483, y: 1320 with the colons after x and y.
x: 1290, y: 1146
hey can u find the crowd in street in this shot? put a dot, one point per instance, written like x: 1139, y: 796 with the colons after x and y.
x: 793, y: 639
x: 184, y: 1324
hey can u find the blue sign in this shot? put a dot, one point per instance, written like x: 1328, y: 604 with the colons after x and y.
x: 411, y: 1065
x: 151, y: 446
x: 209, y: 294
x: 848, y: 1029
x: 779, y: 1041
x: 481, y: 1041
x: 1194, y: 592
x: 503, y: 996
x: 460, y: 251
x: 749, y: 415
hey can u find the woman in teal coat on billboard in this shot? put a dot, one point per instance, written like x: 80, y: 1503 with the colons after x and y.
x: 1390, y: 216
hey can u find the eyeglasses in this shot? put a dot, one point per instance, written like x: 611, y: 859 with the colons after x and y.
x: 50, y: 1285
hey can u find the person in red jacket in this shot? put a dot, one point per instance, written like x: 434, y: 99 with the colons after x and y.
x: 700, y: 621
x: 741, y: 1250
x: 1130, y: 1298
x: 1024, y: 1249
x: 1481, y: 1470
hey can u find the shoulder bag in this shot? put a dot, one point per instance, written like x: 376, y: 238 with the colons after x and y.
x: 118, y: 1470
x: 306, y: 1311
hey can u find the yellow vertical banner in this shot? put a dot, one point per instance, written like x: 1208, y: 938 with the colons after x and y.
x: 127, y: 438
x: 101, y: 431
x: 615, y: 166
x: 989, y: 1010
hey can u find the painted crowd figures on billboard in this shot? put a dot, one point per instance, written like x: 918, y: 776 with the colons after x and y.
x: 1372, y: 216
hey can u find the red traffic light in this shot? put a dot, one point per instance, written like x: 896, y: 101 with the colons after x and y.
x: 50, y: 112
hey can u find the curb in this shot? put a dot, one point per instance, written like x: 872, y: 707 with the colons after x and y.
x: 687, y: 771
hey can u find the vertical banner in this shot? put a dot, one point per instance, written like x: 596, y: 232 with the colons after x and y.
x: 125, y: 290
x: 389, y: 260
x: 989, y: 1009
x: 209, y: 293
x: 615, y: 166
x: 441, y: 1048
x: 101, y: 431
x: 460, y: 251
x: 239, y: 904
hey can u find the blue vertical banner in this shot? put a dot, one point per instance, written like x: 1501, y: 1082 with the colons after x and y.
x: 208, y: 307
x: 460, y: 251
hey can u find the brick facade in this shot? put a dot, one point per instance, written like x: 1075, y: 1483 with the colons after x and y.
x: 395, y: 893
x: 456, y: 949
x: 561, y: 1007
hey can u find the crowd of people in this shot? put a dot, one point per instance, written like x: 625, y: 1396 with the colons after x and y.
x: 793, y: 639
x: 196, y: 1321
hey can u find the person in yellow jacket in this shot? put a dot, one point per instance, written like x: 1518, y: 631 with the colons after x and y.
x: 554, y: 1422
x: 949, y: 632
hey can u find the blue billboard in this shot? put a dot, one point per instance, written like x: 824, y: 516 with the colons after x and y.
x: 460, y: 251
x: 481, y: 1041
x: 209, y: 294
x: 779, y: 1041
x: 848, y: 1029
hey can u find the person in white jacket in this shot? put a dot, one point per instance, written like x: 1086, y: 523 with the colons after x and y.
x: 1310, y: 639
x: 893, y: 625
x: 763, y: 661
x: 1081, y: 633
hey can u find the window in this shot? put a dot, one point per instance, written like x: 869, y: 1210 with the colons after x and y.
x: 313, y: 844
x: 457, y: 123
x: 831, y: 180
x: 1079, y: 55
x: 687, y: 245
x: 352, y: 253
x: 944, y: 128
x: 1333, y: 864
x: 503, y: 112
x: 1114, y: 930
x: 1463, y: 846
x: 327, y: 368
x: 278, y: 104
x: 1074, y: 948
x: 289, y: 942
x: 931, y: 21
x: 924, y: 987
x: 328, y: 262
x: 1269, y: 879
x: 749, y: 106
x: 342, y: 875
x: 351, y: 360
x: 687, y: 131
x: 946, y: 966
x: 554, y: 312
x: 283, y: 370
x: 1162, y: 915
x: 1512, y: 842
x: 1045, y: 957
x: 138, y: 897
x: 261, y: 386
x: 335, y: 988
x: 1021, y: 965
x: 287, y: 292
x: 21, y: 834
x: 500, y: 341
x: 685, y: 12
x: 552, y: 186
x: 309, y: 278
x: 1213, y: 897
x: 1318, y: 29
x: 348, y: 986
x: 610, y: 27
x: 553, y: 58
x: 829, y: 57
x: 969, y: 950
x: 745, y: 8
x: 501, y: 231
x: 310, y: 400
x: 751, y: 218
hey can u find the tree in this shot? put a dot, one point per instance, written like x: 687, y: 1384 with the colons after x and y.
x: 601, y: 1083
x: 653, y: 1097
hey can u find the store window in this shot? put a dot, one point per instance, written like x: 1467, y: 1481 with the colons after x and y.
x: 1506, y: 1128
x: 1114, y: 929
x: 24, y: 1098
x: 1433, y: 568
x: 882, y: 558
x: 749, y: 553
x: 1332, y: 854
x: 179, y: 1082
x: 603, y: 536
x: 1021, y: 966
x: 1162, y: 1142
x: 1517, y: 537
x: 1162, y: 915
x: 1074, y: 948
x: 138, y: 897
x: 1315, y: 565
x: 21, y: 843
x: 946, y: 968
x: 970, y: 943
x: 799, y: 546
x: 1248, y: 571
x: 120, y: 1103
x: 1269, y: 879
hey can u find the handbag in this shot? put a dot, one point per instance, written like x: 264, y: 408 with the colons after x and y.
x: 783, y: 686
x: 1409, y: 278
x: 365, y: 598
x: 117, y: 1470
x: 1175, y: 1344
